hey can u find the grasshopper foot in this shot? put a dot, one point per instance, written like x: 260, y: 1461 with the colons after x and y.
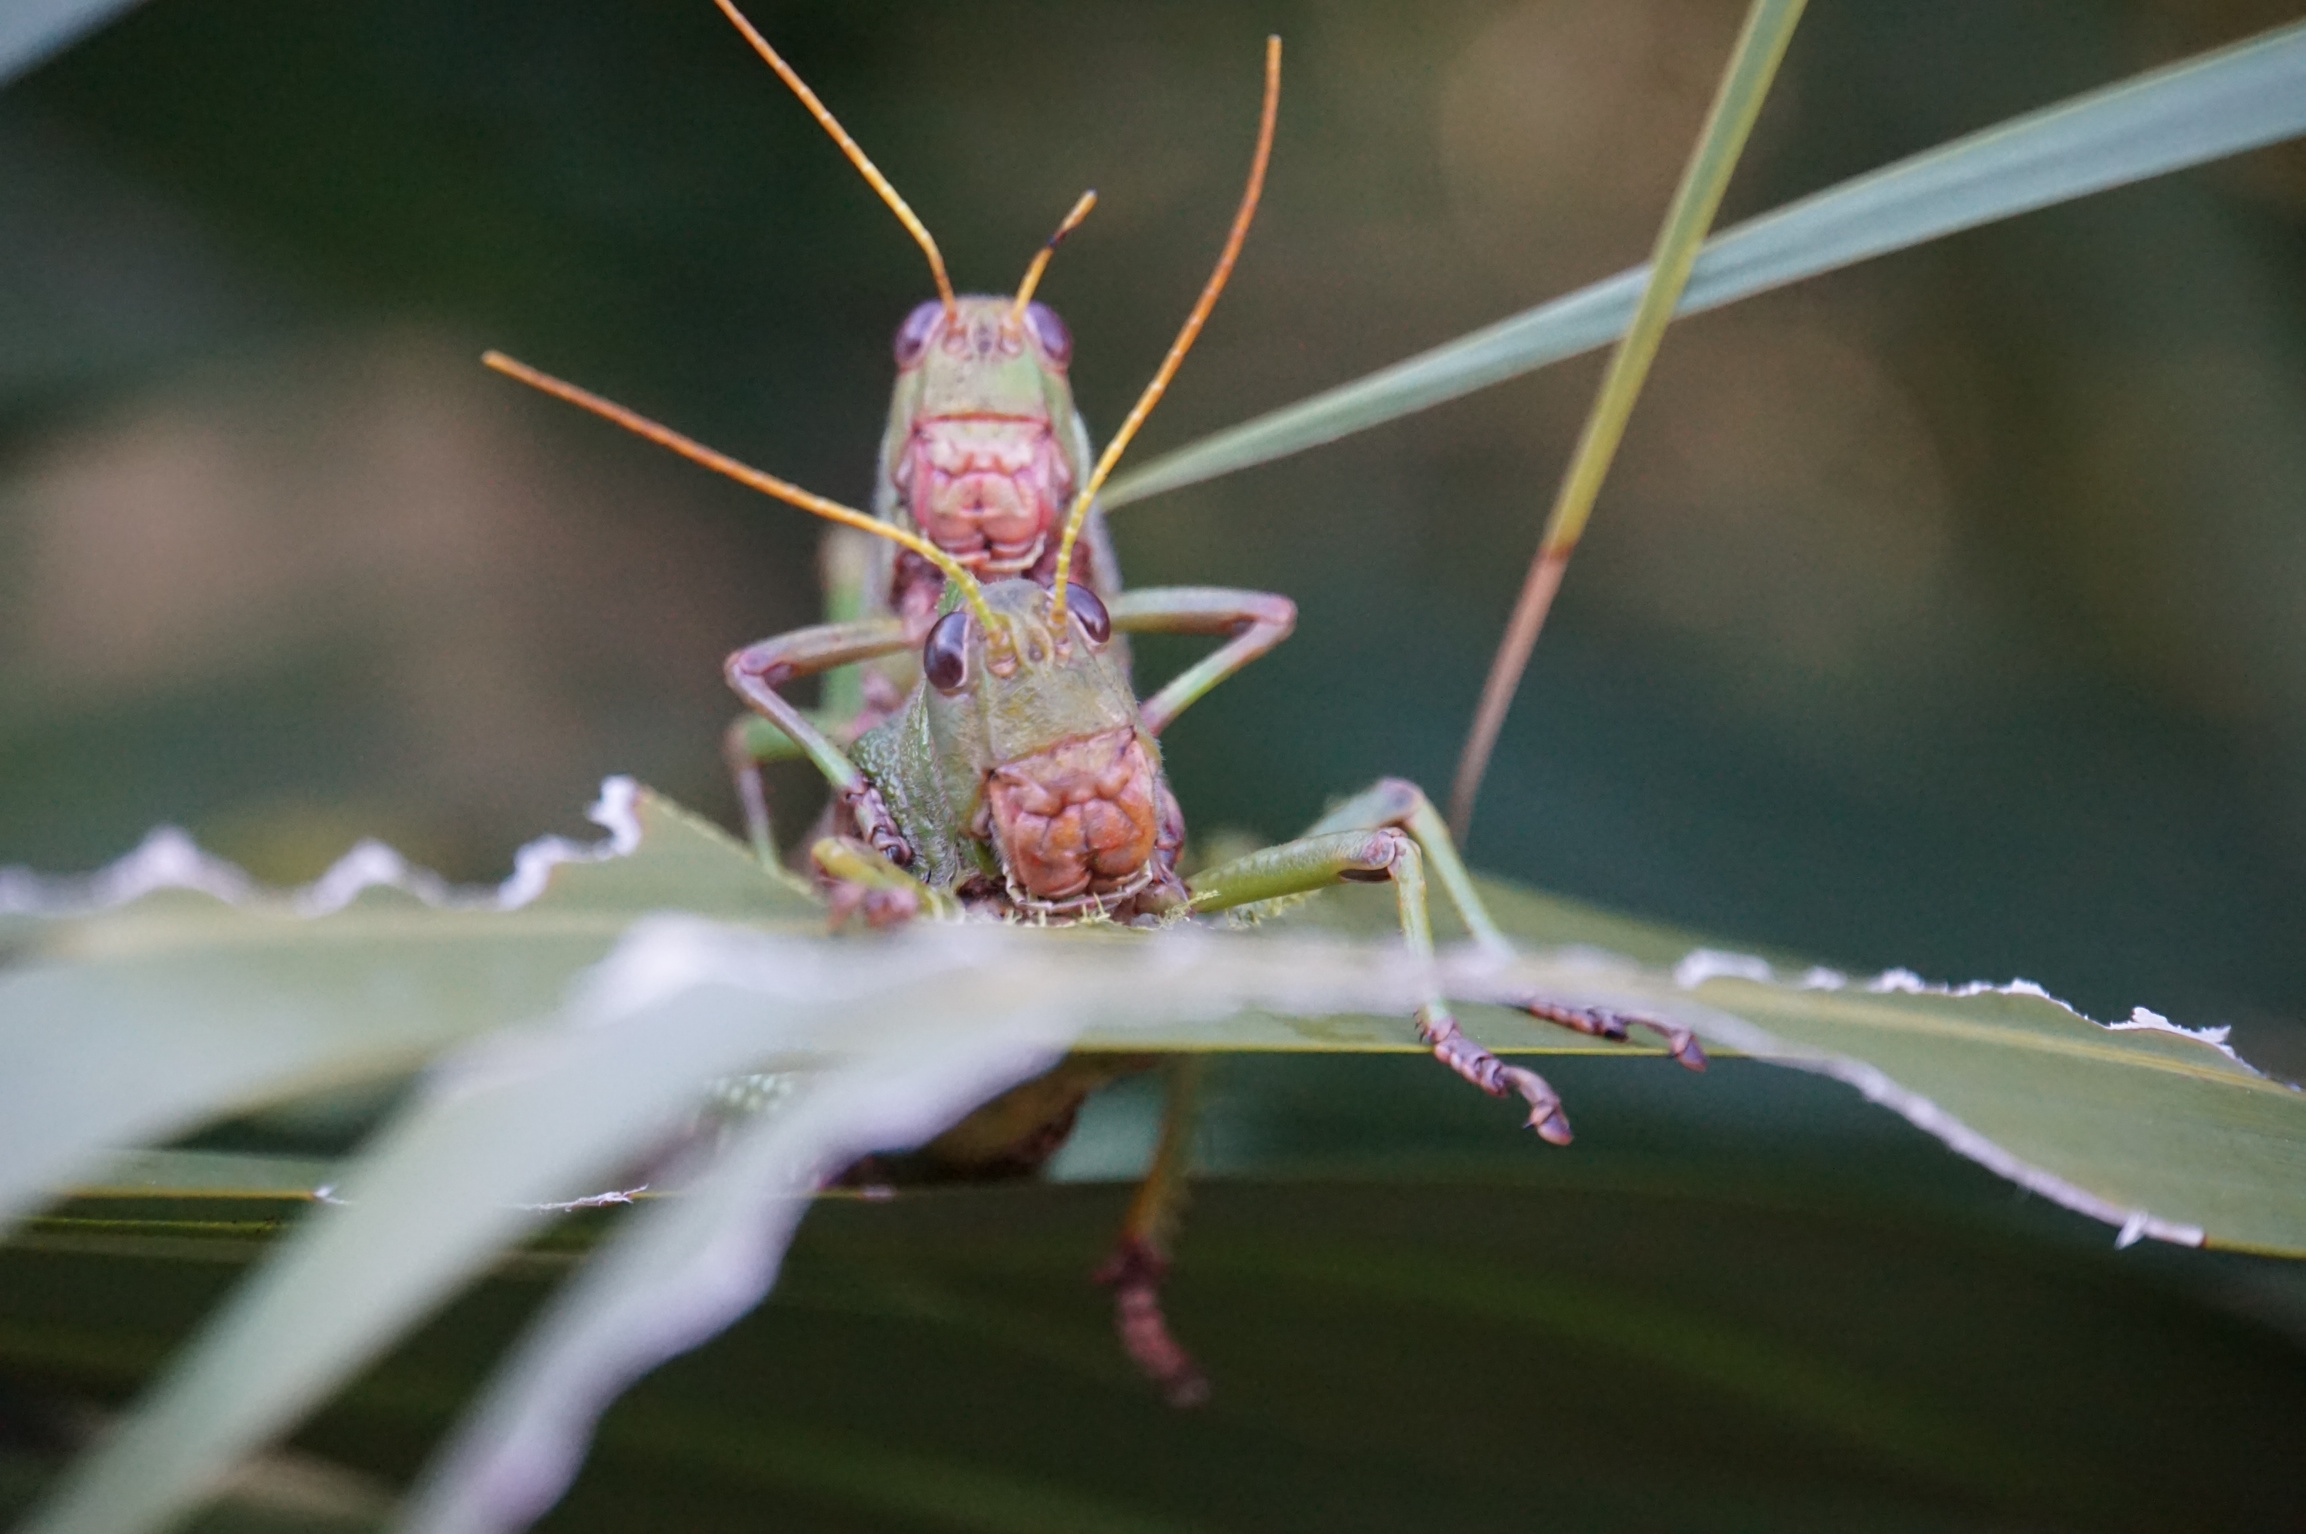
x: 1602, y: 1023
x: 1477, y: 1065
x: 1134, y: 1273
x: 879, y: 907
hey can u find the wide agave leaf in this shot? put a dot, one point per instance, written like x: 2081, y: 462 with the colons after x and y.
x: 557, y: 1071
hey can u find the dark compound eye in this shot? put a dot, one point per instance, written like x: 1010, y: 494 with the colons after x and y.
x: 945, y: 653
x: 920, y: 327
x: 1095, y: 621
x: 1056, y: 341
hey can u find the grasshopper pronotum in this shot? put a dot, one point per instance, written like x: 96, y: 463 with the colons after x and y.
x: 1021, y: 777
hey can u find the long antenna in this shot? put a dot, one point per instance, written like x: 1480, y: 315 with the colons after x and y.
x: 1041, y: 256
x: 1185, y: 337
x: 745, y: 474
x: 1769, y: 25
x: 857, y: 156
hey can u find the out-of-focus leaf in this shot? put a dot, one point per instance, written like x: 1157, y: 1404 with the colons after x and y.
x: 166, y: 992
x: 32, y: 30
x: 908, y: 1032
x: 2217, y: 104
x: 686, y: 1268
x: 1683, y: 1351
x: 2156, y: 1130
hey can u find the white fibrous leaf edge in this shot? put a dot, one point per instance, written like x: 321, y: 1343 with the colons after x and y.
x: 168, y: 859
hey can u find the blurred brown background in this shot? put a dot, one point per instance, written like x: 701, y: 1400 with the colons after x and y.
x: 1949, y: 612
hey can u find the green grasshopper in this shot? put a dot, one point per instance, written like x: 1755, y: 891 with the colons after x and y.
x: 1021, y: 778
x: 982, y: 454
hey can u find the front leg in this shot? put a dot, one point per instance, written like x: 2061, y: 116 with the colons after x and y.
x: 1256, y: 621
x: 1366, y: 856
x: 756, y: 672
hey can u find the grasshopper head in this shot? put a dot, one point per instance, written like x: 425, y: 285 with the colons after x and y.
x: 1062, y: 778
x: 982, y: 453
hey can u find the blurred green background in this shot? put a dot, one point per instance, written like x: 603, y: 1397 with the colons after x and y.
x: 1943, y: 613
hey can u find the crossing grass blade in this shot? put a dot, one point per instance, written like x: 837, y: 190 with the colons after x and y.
x: 1745, y: 84
x: 2216, y: 104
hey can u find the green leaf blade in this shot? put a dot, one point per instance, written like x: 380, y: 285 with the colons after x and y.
x: 2222, y: 103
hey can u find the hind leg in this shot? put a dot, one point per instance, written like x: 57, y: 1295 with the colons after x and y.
x: 1367, y: 856
x: 1141, y: 1256
x: 1399, y: 803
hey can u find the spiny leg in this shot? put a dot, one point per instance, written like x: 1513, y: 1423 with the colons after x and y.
x: 1366, y: 856
x: 1140, y: 1259
x: 1400, y: 803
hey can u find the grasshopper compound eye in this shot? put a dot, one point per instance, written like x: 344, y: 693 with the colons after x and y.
x: 1055, y: 340
x: 919, y: 329
x: 1095, y: 621
x: 945, y: 653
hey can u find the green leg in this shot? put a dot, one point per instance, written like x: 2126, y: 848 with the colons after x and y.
x: 782, y: 728
x: 1140, y: 1259
x: 1253, y: 621
x: 1401, y: 803
x: 1364, y: 856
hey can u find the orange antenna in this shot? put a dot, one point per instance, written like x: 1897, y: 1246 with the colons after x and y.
x: 857, y: 157
x: 1041, y: 256
x: 743, y: 474
x: 1185, y: 337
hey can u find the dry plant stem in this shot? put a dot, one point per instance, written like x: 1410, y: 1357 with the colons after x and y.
x: 1267, y: 117
x: 1497, y: 689
x: 1753, y: 63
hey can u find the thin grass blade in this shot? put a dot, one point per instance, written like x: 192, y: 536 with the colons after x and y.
x: 1745, y: 84
x: 2202, y: 109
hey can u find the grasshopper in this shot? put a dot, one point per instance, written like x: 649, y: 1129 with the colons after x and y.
x: 1021, y: 778
x: 982, y: 454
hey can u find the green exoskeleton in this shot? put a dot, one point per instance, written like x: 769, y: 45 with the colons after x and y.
x: 1021, y: 777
